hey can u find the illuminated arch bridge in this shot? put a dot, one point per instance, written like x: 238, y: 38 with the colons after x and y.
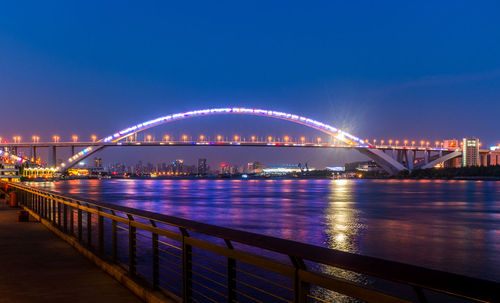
x: 400, y: 159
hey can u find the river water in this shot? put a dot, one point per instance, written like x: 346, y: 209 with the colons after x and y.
x: 447, y: 225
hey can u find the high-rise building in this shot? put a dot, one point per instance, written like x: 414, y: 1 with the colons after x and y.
x: 97, y: 162
x: 178, y: 166
x: 202, y: 166
x: 470, y: 148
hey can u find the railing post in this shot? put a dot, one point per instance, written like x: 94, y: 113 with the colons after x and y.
x: 231, y: 275
x: 71, y: 221
x: 59, y: 214
x: 65, y: 218
x: 100, y: 226
x: 114, y: 241
x: 156, y: 258
x: 187, y: 268
x: 131, y: 246
x: 45, y: 206
x: 300, y: 289
x: 53, y: 212
x: 89, y: 228
x: 80, y: 227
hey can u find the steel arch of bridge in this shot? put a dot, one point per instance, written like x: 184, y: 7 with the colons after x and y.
x: 323, y: 127
x: 405, y: 159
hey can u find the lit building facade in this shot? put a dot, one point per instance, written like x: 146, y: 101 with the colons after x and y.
x: 470, y: 155
x: 202, y: 166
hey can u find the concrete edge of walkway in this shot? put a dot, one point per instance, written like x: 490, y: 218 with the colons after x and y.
x: 115, y: 271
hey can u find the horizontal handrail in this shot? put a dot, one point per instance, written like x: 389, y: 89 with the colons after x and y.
x: 444, y: 282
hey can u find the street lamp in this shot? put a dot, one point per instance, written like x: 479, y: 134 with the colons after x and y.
x: 302, y: 139
x: 319, y: 140
x: 148, y: 138
x: 381, y: 142
x: 236, y: 138
x: 406, y: 142
x: 270, y: 139
x: 167, y: 137
x: 56, y: 138
x: 253, y: 138
x: 422, y: 143
x: 219, y: 137
x: 390, y: 142
x: 75, y: 138
x: 184, y: 137
x: 36, y: 139
x: 94, y: 138
x: 412, y: 143
x: 287, y: 138
x: 202, y: 138
x: 397, y: 142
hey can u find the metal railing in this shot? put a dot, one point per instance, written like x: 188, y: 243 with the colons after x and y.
x: 196, y: 262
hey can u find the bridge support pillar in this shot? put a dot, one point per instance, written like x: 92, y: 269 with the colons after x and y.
x: 33, y: 152
x: 409, y: 160
x: 53, y: 156
x: 72, y: 150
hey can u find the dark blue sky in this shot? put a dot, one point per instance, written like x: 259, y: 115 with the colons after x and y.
x: 393, y: 69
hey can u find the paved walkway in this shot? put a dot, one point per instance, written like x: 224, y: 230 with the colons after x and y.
x: 37, y: 266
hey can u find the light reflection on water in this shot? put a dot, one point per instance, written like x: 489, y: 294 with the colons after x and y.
x: 447, y: 225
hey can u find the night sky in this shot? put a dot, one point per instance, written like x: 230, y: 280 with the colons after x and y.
x: 387, y: 70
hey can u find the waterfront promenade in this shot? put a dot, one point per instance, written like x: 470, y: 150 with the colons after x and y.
x: 38, y: 266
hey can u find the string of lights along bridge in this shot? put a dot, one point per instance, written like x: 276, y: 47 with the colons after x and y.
x: 393, y: 155
x: 77, y: 141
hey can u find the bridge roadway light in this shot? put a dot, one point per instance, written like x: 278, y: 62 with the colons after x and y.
x: 412, y: 143
x: 302, y: 139
x: 94, y: 138
x: 236, y: 138
x: 202, y: 137
x: 75, y: 138
x: 270, y: 139
x: 286, y: 138
x: 390, y: 142
x: 319, y: 140
x: 36, y: 139
x: 166, y: 137
x: 422, y: 142
x: 56, y: 138
x: 184, y: 137
x: 381, y: 142
x: 437, y: 143
x: 219, y: 138
x: 148, y: 138
x: 397, y: 142
x: 253, y: 138
x: 406, y: 142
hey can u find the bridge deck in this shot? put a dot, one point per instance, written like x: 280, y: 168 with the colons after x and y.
x: 37, y: 266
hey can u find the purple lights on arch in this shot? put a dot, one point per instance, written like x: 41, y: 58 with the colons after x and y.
x: 326, y: 128
x: 234, y: 110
